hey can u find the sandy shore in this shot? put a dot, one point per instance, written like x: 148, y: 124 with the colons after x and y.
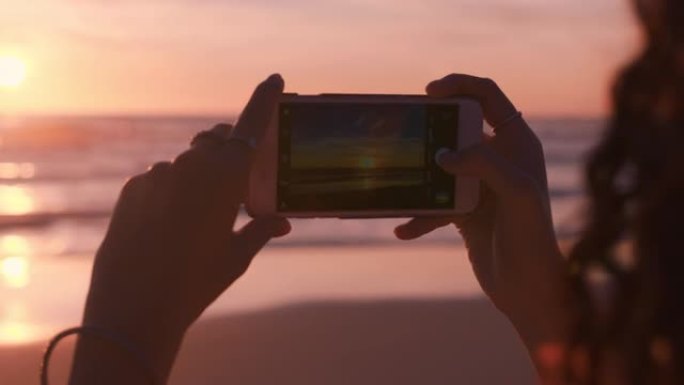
x: 344, y: 342
x: 385, y: 315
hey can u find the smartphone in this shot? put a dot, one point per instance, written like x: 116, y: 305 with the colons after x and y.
x: 363, y: 156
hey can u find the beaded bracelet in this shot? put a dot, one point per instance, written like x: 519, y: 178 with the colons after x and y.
x: 119, y: 340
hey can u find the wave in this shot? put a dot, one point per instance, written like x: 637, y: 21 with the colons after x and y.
x: 49, y: 218
x: 43, y: 219
x: 67, y: 179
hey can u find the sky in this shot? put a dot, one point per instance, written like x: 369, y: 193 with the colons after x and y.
x: 193, y: 57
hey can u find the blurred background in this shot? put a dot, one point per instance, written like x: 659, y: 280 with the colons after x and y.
x: 92, y: 92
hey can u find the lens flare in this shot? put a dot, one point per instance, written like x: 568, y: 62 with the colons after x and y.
x: 15, y: 271
x: 15, y: 200
x: 12, y: 71
x: 14, y: 328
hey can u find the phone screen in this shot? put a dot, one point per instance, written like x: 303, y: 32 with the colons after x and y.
x: 364, y: 157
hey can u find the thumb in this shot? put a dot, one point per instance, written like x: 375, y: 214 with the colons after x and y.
x: 482, y: 162
x: 254, y: 235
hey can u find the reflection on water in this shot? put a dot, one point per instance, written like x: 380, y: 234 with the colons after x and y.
x: 15, y: 254
x: 13, y: 333
x: 13, y: 326
x: 14, y: 245
x: 15, y: 271
x: 14, y: 262
x: 11, y: 170
x: 15, y: 200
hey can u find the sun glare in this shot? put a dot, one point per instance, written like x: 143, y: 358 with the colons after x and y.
x: 12, y: 71
x: 15, y: 200
x: 15, y: 271
x: 14, y: 328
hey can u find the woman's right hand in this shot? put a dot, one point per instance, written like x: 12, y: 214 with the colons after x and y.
x: 510, y: 238
x: 172, y: 247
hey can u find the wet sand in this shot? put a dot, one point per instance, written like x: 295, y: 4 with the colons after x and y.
x: 341, y: 342
x: 361, y: 315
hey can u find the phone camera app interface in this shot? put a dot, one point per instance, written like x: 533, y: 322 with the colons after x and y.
x: 360, y: 157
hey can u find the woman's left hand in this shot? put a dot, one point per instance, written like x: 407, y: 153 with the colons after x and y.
x: 510, y: 237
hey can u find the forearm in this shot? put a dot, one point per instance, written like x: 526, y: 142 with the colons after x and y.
x: 104, y: 361
x: 548, y: 335
x: 171, y: 248
x: 130, y: 342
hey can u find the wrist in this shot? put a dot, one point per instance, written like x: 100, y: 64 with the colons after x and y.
x: 556, y: 326
x: 102, y: 356
x: 157, y: 338
x: 547, y: 335
x: 157, y: 345
x: 549, y: 313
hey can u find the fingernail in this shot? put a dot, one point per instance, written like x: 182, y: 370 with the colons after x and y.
x: 430, y: 86
x: 275, y: 79
x: 400, y: 232
x: 283, y: 227
x: 441, y: 155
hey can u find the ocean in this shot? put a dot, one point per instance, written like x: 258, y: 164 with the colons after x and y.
x: 60, y: 176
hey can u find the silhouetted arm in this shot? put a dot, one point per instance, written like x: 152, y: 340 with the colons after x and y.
x: 510, y: 238
x: 171, y: 249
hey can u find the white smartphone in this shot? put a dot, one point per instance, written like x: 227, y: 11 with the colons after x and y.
x: 363, y: 156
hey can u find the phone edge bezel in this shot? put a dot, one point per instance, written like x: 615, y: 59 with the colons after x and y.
x: 261, y: 195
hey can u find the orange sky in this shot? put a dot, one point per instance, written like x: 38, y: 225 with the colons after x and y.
x: 553, y: 57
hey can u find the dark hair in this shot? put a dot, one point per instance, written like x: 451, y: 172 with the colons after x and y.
x: 628, y: 265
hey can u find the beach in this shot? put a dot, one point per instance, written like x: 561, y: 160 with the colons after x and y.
x: 375, y: 342
x: 313, y: 316
x: 369, y: 321
x: 335, y: 302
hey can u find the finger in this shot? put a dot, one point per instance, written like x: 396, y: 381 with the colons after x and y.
x: 223, y: 129
x: 482, y: 162
x: 514, y: 139
x: 497, y: 108
x: 234, y: 157
x: 248, y: 132
x: 159, y: 170
x: 417, y: 227
x: 254, y: 235
x: 136, y: 190
x: 132, y: 202
x: 258, y: 112
x: 212, y: 140
x: 160, y: 178
x: 147, y: 195
x: 219, y: 171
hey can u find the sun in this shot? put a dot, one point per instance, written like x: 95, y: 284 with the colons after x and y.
x: 12, y: 71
